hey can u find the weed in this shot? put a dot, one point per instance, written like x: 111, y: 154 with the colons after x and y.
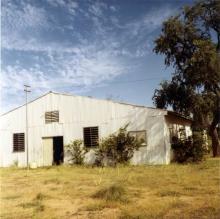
x: 190, y: 188
x: 27, y: 205
x: 40, y: 197
x: 36, y: 203
x: 139, y: 214
x: 200, y: 212
x: 15, y: 163
x: 169, y: 193
x: 39, y: 208
x: 11, y: 197
x: 55, y: 181
x: 112, y: 193
x: 95, y: 207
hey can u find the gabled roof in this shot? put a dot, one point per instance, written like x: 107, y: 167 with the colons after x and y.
x: 27, y: 103
x: 84, y: 97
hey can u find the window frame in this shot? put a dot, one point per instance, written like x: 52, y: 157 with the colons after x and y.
x: 54, y: 116
x: 17, y: 148
x: 182, y: 133
x: 91, y: 140
x: 144, y: 144
x: 172, y: 134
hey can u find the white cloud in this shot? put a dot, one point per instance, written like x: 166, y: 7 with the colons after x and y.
x: 148, y: 22
x: 79, y: 71
x: 92, y: 62
x: 18, y: 23
x: 97, y: 8
x: 113, y: 8
x: 20, y: 18
x: 69, y: 5
x: 57, y: 3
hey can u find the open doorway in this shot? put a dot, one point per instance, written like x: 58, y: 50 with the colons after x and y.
x: 58, y: 150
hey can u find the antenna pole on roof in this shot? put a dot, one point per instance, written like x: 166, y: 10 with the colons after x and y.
x: 27, y: 90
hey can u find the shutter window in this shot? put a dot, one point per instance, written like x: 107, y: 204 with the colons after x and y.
x: 18, y: 142
x: 52, y: 116
x: 91, y: 136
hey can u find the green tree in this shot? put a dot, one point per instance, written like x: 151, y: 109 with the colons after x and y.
x: 190, y: 42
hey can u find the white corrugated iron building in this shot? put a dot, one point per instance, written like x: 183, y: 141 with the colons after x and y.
x: 55, y: 119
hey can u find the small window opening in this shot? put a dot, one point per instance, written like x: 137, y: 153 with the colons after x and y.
x: 52, y: 116
x: 140, y: 136
x: 91, y: 136
x: 18, y: 142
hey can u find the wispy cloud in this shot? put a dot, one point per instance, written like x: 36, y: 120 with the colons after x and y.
x: 76, y: 71
x: 68, y: 5
x: 147, y: 23
x: 16, y: 17
x: 97, y: 8
x: 18, y: 22
x: 93, y: 54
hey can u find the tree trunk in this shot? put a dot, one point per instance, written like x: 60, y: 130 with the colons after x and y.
x: 215, y: 142
x: 214, y: 133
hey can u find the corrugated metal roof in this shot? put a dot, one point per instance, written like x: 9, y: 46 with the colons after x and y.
x: 179, y: 115
x: 57, y: 93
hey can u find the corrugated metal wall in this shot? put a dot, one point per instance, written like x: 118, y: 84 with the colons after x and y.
x: 77, y: 112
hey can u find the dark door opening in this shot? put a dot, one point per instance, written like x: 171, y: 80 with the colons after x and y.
x: 58, y: 150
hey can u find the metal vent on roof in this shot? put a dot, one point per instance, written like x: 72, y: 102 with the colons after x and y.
x: 52, y: 116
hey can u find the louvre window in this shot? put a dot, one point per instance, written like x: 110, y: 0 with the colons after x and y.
x: 173, y: 135
x: 182, y: 133
x: 18, y: 142
x: 176, y: 134
x: 91, y: 136
x: 140, y: 136
x: 52, y: 116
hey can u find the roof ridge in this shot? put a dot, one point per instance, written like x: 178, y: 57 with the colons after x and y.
x: 113, y: 101
x: 68, y: 94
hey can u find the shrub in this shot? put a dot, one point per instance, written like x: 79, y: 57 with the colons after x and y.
x: 15, y: 163
x: 111, y: 193
x: 36, y: 203
x: 189, y: 150
x: 117, y: 148
x: 76, y: 151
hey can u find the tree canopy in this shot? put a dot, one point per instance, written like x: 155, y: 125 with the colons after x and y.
x: 190, y: 42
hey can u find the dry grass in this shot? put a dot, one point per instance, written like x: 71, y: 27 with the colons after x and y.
x: 173, y: 191
x: 111, y: 193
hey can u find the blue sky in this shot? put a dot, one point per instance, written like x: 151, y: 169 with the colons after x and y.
x: 93, y: 48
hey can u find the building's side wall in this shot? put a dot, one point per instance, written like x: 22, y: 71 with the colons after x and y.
x: 176, y: 123
x: 75, y: 113
x: 155, y: 151
x: 15, y: 122
x: 9, y: 124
